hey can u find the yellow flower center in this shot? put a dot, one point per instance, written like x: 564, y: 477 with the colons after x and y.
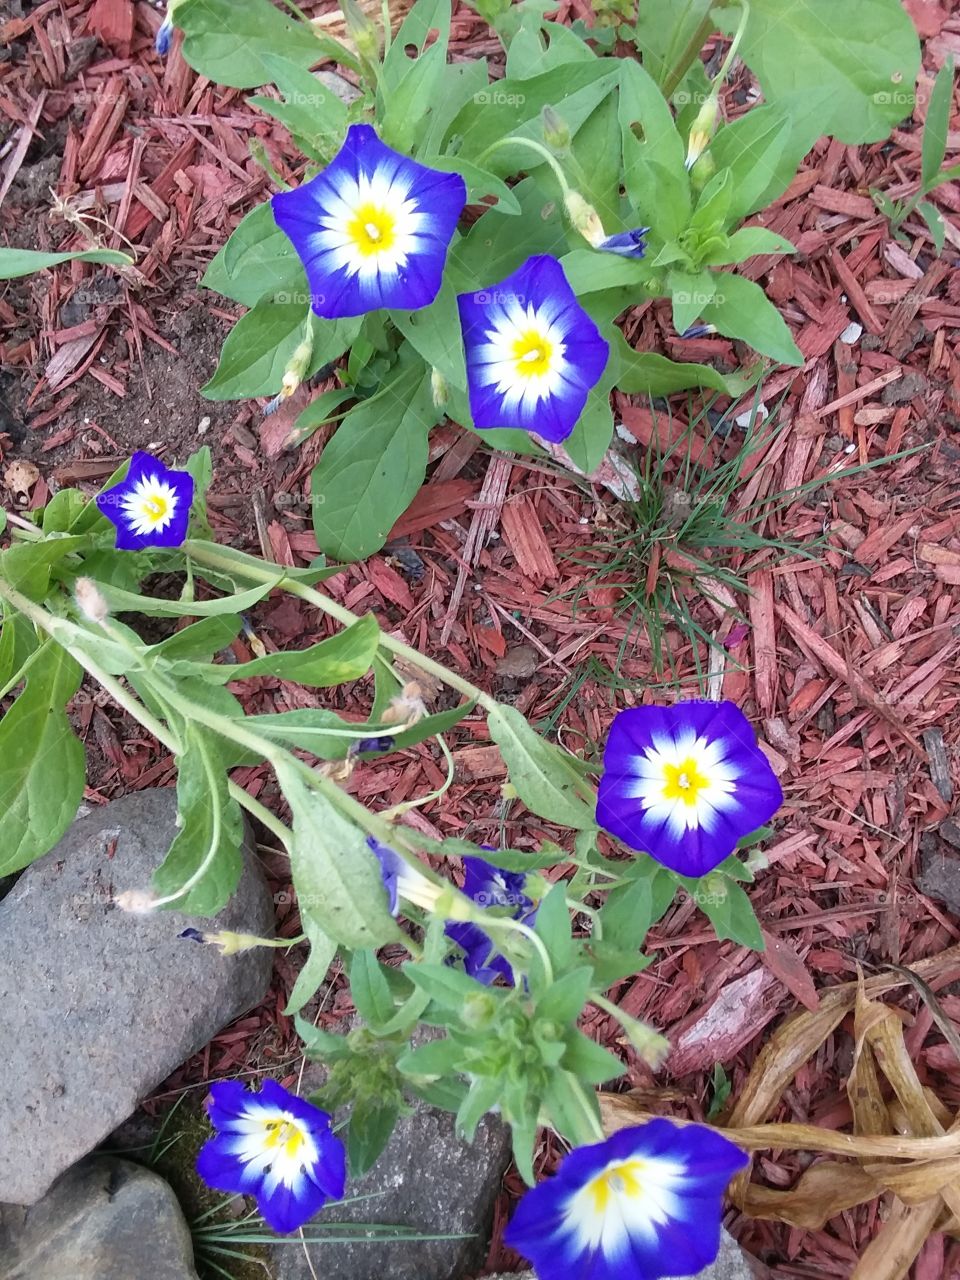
x: 155, y: 508
x: 531, y: 354
x: 284, y: 1133
x: 684, y: 781
x: 372, y: 229
x: 620, y: 1179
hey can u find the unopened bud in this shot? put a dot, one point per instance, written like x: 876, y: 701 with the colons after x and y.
x: 90, y: 600
x: 407, y: 707
x: 479, y: 1011
x: 556, y: 131
x: 702, y: 171
x: 362, y: 31
x: 584, y: 218
x: 439, y: 388
x: 293, y: 375
x: 229, y: 943
x: 702, y: 130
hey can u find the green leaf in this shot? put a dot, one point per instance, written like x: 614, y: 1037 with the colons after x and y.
x: 434, y: 333
x: 121, y: 601
x: 663, y: 32
x: 459, y: 83
x: 373, y: 467
x: 937, y: 124
x: 258, y: 260
x: 446, y: 986
x: 206, y: 851
x: 730, y: 913
x: 371, y: 1123
x: 258, y: 350
x: 27, y: 565
x: 552, y: 927
x: 199, y: 640
x: 690, y: 293
x: 309, y: 979
x: 483, y: 1096
x: 646, y: 373
x: 742, y: 310
x: 859, y: 60
x: 747, y: 243
x: 935, y: 224
x: 62, y: 510
x: 498, y: 243
x: 480, y: 182
x: 563, y: 1100
x: 513, y: 108
x: 434, y: 1058
x: 346, y: 656
x: 370, y: 989
x: 563, y: 1001
x: 761, y: 156
x: 18, y: 641
x: 408, y: 85
x: 590, y: 1063
x: 588, y: 444
x: 654, y: 175
x: 314, y: 114
x: 41, y: 762
x: 15, y: 263
x: 546, y: 783
x: 334, y: 872
x: 228, y: 41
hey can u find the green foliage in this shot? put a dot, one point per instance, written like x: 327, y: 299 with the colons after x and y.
x: 24, y: 262
x: 627, y: 122
x: 932, y: 172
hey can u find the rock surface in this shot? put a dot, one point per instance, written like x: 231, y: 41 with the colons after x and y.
x: 426, y: 1179
x: 731, y: 1264
x: 106, y: 1219
x: 98, y: 1006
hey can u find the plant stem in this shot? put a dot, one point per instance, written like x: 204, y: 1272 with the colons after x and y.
x: 594, y: 1124
x: 691, y: 50
x: 541, y: 151
x: 206, y: 553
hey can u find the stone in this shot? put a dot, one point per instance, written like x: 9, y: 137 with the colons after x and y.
x: 427, y: 1179
x: 105, y: 1219
x: 939, y: 871
x: 347, y: 93
x: 731, y: 1264
x: 98, y: 1006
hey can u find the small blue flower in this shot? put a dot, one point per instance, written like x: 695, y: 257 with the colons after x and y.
x: 629, y: 244
x: 643, y: 1204
x: 401, y: 880
x: 372, y: 229
x: 685, y: 783
x: 363, y: 745
x: 276, y: 1147
x: 533, y: 353
x: 488, y: 886
x: 151, y: 508
x: 699, y: 331
x: 164, y: 38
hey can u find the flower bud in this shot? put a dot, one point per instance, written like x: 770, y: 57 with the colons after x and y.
x: 439, y: 388
x: 702, y: 130
x: 229, y: 943
x: 479, y: 1011
x: 407, y: 708
x: 702, y: 171
x: 90, y: 600
x: 362, y: 31
x: 293, y: 375
x: 556, y: 131
x: 584, y: 218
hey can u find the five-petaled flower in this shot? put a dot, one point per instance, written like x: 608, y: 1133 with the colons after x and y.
x: 372, y: 229
x: 685, y: 783
x: 151, y: 507
x: 489, y: 886
x: 533, y: 353
x: 401, y: 880
x: 643, y: 1204
x: 274, y: 1146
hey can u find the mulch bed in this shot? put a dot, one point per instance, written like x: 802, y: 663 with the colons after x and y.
x: 847, y: 663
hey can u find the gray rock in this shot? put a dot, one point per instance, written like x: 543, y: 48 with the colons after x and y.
x: 343, y: 89
x: 427, y: 1179
x: 106, y: 1219
x: 731, y: 1264
x: 98, y: 1006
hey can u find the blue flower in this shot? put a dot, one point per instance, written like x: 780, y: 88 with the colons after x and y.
x: 488, y: 886
x: 643, y: 1204
x: 276, y: 1147
x: 533, y: 353
x: 629, y: 244
x: 164, y: 38
x: 151, y: 508
x: 372, y: 229
x: 401, y: 880
x: 685, y: 783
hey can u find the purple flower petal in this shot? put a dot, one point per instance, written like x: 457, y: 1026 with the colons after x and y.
x: 629, y: 244
x: 533, y: 353
x: 276, y: 1147
x: 685, y: 783
x: 643, y: 1204
x: 372, y: 229
x: 151, y: 507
